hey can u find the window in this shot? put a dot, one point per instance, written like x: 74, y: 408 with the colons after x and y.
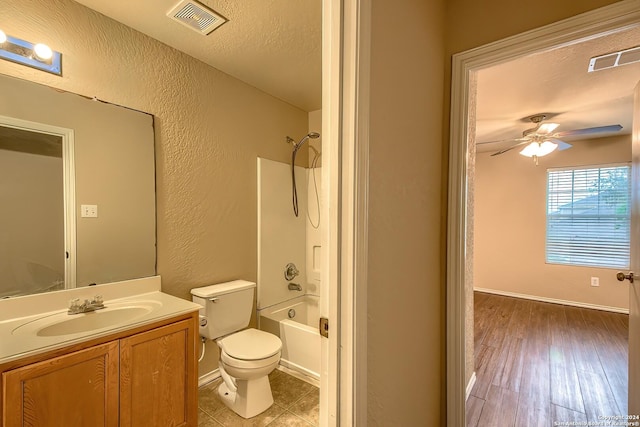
x: 588, y: 221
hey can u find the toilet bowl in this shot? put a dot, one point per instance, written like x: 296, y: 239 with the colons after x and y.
x: 247, y: 356
x: 246, y: 360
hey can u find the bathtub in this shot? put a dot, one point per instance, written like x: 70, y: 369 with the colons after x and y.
x: 296, y: 323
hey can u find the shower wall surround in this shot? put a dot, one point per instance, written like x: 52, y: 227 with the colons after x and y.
x: 283, y: 237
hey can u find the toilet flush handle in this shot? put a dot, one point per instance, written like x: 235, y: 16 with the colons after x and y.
x: 214, y: 299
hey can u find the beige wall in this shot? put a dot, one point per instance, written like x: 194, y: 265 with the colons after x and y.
x: 209, y: 129
x: 405, y: 324
x: 510, y: 226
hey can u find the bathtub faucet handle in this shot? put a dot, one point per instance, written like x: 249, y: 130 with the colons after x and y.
x: 295, y: 287
x: 290, y: 271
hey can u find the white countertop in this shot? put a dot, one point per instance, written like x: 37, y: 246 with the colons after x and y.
x: 15, y: 312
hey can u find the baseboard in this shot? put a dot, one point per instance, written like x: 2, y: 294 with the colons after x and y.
x: 472, y: 382
x: 306, y: 378
x: 554, y: 300
x: 209, y: 377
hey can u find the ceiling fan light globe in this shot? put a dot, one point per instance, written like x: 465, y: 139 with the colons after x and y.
x: 538, y: 149
x: 530, y: 150
x: 547, y: 147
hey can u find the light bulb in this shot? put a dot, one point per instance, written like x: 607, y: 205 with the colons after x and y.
x: 42, y: 52
x: 3, y: 37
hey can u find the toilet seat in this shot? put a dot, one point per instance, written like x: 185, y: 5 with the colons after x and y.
x: 250, y: 345
x: 231, y: 362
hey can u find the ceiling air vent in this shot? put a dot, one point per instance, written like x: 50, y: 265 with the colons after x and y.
x: 196, y: 16
x: 616, y: 59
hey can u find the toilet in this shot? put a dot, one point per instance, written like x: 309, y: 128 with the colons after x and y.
x: 247, y: 356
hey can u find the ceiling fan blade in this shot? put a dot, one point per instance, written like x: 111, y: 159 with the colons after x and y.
x: 497, y: 153
x: 547, y: 128
x: 502, y: 141
x: 561, y: 144
x: 588, y: 131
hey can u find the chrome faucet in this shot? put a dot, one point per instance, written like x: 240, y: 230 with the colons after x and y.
x: 88, y: 305
x: 295, y: 287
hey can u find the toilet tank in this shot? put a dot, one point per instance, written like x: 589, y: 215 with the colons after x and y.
x: 226, y: 306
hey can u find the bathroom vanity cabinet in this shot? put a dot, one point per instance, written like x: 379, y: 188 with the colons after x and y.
x: 146, y: 376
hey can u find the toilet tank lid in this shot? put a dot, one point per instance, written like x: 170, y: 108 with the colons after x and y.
x: 222, y: 288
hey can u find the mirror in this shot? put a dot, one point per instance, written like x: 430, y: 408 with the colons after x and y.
x: 77, y: 190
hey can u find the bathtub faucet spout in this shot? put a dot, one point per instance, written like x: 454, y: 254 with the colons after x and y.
x: 295, y: 287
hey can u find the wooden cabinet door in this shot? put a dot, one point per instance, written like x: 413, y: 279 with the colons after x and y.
x: 77, y: 389
x: 158, y: 377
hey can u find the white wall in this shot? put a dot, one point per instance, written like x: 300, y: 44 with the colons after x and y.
x: 510, y: 226
x: 281, y: 235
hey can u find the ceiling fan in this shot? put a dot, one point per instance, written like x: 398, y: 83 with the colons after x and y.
x: 540, y: 140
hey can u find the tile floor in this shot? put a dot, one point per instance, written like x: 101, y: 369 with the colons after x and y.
x: 296, y: 403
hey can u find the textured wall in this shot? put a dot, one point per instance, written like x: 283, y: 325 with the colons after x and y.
x: 209, y: 130
x: 469, y: 320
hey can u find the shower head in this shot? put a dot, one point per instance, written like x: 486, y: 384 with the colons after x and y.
x: 312, y: 135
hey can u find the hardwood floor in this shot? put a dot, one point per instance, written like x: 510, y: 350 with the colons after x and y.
x: 538, y: 363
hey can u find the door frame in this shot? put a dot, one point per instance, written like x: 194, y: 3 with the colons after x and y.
x: 606, y: 20
x: 69, y: 187
x: 345, y: 123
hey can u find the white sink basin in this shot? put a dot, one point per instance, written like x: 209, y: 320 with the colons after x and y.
x: 64, y: 324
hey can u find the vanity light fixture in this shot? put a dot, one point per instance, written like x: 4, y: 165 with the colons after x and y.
x: 39, y: 56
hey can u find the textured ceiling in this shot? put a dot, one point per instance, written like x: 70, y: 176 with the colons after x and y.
x: 557, y: 83
x: 274, y: 45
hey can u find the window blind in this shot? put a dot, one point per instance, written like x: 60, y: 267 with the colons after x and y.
x: 588, y: 216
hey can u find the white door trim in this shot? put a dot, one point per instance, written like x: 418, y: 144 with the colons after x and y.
x: 354, y: 218
x: 345, y: 125
x: 609, y: 19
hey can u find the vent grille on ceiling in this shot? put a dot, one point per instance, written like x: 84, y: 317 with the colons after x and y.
x: 196, y: 16
x: 616, y: 59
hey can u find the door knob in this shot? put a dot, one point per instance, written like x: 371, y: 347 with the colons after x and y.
x: 621, y: 276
